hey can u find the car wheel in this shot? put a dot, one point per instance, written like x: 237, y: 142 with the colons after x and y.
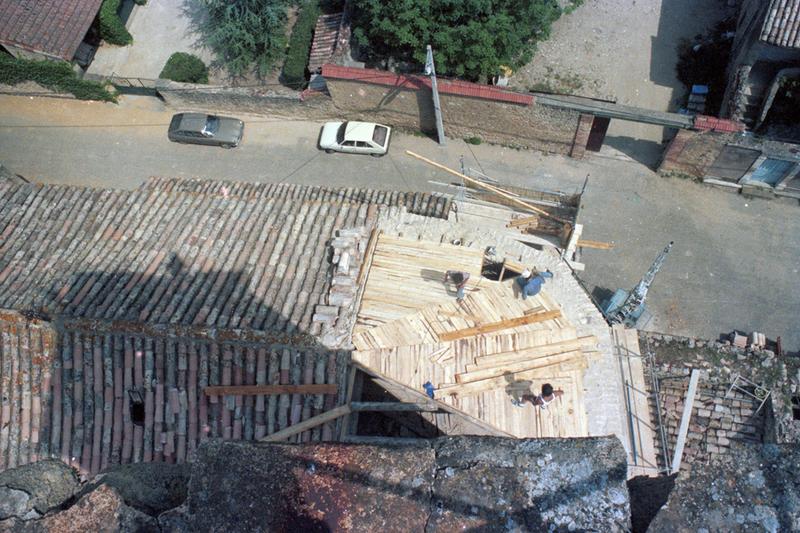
x: 227, y: 146
x: 329, y: 151
x: 377, y: 155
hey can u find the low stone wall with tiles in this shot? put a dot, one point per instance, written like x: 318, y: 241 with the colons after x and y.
x: 525, y: 126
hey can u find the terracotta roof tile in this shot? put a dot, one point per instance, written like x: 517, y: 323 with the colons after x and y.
x: 446, y: 86
x: 52, y: 27
x: 705, y: 122
x: 782, y: 23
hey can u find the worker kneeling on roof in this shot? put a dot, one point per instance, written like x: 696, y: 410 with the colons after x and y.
x: 529, y: 284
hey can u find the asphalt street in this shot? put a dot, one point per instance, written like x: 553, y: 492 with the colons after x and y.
x: 734, y: 264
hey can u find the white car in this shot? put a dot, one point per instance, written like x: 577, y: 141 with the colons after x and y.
x: 355, y: 138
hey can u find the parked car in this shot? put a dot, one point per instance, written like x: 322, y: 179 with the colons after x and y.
x: 355, y: 138
x: 199, y: 128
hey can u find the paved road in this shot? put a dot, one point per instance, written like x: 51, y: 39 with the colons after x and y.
x: 734, y: 264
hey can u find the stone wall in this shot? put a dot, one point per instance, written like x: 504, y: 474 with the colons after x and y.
x: 446, y: 484
x: 256, y: 100
x: 534, y: 126
x: 718, y: 423
x: 755, y: 488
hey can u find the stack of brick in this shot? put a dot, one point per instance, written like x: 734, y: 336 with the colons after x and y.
x: 348, y: 249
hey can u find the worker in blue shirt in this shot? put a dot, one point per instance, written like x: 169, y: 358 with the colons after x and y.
x: 531, y: 285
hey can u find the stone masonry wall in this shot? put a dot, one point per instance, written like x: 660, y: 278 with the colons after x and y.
x: 538, y: 127
x: 254, y: 100
x: 717, y: 422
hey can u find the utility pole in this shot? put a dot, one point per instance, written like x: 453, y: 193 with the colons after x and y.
x: 430, y: 70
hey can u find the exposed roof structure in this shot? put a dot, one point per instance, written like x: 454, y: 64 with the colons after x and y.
x: 782, y: 23
x: 51, y: 27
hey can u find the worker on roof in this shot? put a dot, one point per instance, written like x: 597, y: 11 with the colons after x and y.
x: 459, y: 279
x: 529, y: 284
x: 547, y: 396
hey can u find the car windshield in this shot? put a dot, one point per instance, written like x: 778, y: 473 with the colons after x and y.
x: 379, y: 135
x: 212, y: 125
x: 340, y: 133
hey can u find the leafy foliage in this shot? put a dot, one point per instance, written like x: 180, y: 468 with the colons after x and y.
x: 246, y: 33
x: 55, y: 75
x: 294, y: 67
x: 186, y: 68
x: 111, y: 27
x: 470, y: 38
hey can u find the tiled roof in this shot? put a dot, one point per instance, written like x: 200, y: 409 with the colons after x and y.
x: 454, y: 87
x: 782, y: 23
x: 204, y: 254
x: 326, y: 37
x: 426, y: 204
x: 64, y: 392
x: 165, y: 290
x: 705, y: 122
x: 52, y: 27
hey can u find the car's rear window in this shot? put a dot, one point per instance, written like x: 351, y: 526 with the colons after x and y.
x: 212, y: 125
x: 379, y: 135
x: 175, y: 123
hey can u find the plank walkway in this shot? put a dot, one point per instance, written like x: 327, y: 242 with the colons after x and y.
x: 642, y: 459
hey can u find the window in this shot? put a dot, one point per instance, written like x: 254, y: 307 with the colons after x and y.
x: 379, y: 135
x: 796, y: 407
x: 211, y: 127
x: 340, y: 133
x: 362, y: 144
x: 349, y: 143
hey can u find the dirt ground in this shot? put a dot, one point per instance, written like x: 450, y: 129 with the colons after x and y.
x: 622, y: 50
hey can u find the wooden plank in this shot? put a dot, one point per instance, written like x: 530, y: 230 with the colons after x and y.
x: 595, y: 244
x: 519, y: 366
x: 311, y: 423
x: 256, y: 390
x: 677, y: 457
x: 498, y: 191
x: 498, y: 326
x: 504, y: 358
x: 524, y: 221
x: 428, y: 407
x: 551, y: 371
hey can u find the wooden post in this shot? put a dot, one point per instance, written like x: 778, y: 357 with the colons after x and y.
x: 257, y: 390
x: 305, y: 425
x: 687, y: 416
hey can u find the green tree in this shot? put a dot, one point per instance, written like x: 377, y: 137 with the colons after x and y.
x: 245, y: 33
x: 470, y: 38
x: 186, y: 68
